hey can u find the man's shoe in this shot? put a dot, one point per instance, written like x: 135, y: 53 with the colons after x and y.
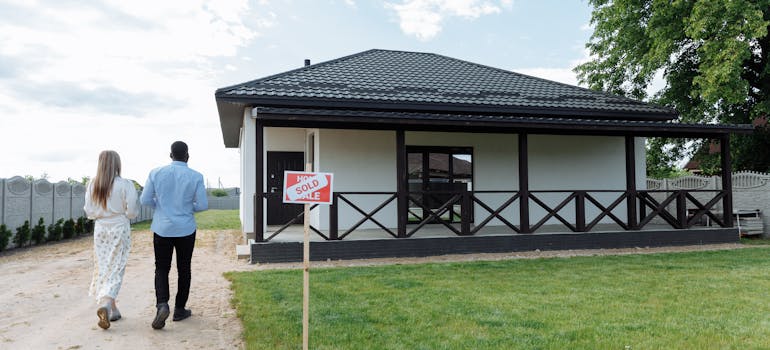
x: 161, y: 316
x: 181, y: 314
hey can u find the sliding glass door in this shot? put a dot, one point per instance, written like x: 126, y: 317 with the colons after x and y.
x: 436, y: 175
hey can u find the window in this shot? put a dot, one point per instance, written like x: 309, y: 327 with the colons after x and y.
x: 436, y: 174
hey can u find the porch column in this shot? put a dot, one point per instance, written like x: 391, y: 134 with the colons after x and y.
x: 259, y: 194
x: 727, y: 180
x: 523, y: 184
x: 402, y: 189
x: 633, y: 219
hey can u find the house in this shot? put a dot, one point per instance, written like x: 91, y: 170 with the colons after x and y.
x: 435, y: 155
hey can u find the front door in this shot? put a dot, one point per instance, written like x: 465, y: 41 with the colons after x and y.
x: 277, y: 162
x: 436, y: 174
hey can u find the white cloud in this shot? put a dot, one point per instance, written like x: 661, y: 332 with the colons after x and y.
x: 132, y: 76
x: 424, y: 18
x: 562, y: 75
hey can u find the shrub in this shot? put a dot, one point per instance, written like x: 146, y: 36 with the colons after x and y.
x: 89, y: 226
x: 38, y: 232
x: 5, y: 236
x: 80, y: 226
x: 68, y: 229
x: 22, y: 234
x: 218, y: 192
x: 54, y: 230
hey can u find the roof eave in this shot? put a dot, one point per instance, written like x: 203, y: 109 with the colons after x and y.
x: 277, y: 117
x: 304, y: 102
x: 230, y: 120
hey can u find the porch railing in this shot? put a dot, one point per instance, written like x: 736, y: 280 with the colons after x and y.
x: 577, y: 210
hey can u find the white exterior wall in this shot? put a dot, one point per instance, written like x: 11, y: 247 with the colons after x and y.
x: 558, y: 162
x: 641, y: 163
x: 248, y: 150
x: 365, y: 161
x: 361, y: 161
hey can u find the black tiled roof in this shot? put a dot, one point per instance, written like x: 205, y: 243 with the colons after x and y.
x: 413, y: 81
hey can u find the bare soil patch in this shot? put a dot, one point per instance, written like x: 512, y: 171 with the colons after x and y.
x: 44, y: 302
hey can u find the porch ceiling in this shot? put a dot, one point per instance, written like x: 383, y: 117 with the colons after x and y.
x: 500, y: 123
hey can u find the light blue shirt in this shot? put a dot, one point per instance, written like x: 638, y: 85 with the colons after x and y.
x: 176, y: 192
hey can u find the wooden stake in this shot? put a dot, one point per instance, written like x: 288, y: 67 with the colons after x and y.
x: 306, y: 276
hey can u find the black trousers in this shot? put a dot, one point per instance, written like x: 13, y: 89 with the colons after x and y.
x: 164, y: 251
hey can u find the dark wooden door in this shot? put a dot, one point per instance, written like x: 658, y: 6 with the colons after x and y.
x: 277, y: 162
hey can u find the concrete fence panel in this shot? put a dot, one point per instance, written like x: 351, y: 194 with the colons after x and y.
x: 17, y: 201
x: 751, y: 191
x: 62, y: 203
x: 42, y: 202
x: 226, y: 203
x: 2, y: 201
x: 78, y: 201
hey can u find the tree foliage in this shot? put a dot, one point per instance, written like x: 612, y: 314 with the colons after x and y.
x: 713, y: 56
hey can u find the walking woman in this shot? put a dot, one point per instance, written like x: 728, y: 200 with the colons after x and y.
x: 111, y: 201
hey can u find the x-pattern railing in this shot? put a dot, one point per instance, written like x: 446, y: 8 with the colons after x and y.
x: 434, y: 215
x: 432, y: 212
x: 681, y: 219
x: 494, y: 213
x: 297, y: 219
x: 368, y: 216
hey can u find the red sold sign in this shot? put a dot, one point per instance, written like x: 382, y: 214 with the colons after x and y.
x: 307, y: 187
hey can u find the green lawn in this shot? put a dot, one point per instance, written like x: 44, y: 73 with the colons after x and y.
x: 698, y: 300
x: 207, y: 220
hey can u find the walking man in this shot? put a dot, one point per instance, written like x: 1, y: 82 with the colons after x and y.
x: 176, y: 192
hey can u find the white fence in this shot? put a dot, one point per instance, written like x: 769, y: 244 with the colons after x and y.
x: 751, y: 190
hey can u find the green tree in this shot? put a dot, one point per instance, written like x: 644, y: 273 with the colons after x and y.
x: 714, y: 58
x: 38, y: 232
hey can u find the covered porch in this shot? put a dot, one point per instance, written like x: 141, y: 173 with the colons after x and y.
x: 518, y: 218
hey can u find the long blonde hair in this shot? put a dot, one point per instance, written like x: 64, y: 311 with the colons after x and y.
x: 106, y: 172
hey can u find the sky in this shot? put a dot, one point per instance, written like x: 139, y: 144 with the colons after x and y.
x: 78, y: 77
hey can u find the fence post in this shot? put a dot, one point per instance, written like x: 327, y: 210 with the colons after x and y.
x: 580, y: 211
x: 681, y: 208
x: 465, y: 213
x: 333, y: 217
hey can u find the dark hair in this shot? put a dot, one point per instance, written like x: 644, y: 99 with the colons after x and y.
x: 178, y: 150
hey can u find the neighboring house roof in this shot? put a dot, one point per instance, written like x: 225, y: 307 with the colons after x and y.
x: 414, y: 82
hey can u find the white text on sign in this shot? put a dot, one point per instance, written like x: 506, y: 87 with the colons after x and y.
x: 307, y: 187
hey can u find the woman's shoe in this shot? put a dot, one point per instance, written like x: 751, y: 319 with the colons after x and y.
x: 115, y: 315
x: 103, y: 312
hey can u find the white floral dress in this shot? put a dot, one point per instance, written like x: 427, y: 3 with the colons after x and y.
x: 112, y: 237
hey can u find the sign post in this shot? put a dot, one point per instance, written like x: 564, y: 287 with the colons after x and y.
x: 308, y: 188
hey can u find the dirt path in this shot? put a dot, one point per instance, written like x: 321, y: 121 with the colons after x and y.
x: 44, y: 302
